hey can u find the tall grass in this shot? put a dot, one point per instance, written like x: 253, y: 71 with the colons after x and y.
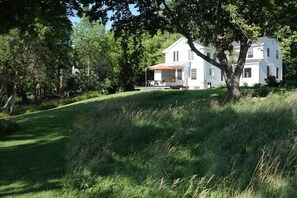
x: 158, y: 145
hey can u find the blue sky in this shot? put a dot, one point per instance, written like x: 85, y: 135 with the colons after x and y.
x: 76, y: 19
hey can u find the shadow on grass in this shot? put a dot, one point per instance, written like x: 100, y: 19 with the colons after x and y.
x: 32, y: 160
x: 149, y: 140
x: 33, y: 165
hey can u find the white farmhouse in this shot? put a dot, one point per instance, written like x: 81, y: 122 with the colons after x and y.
x: 183, y: 68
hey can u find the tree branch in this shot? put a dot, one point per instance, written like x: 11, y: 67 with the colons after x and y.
x: 189, y: 38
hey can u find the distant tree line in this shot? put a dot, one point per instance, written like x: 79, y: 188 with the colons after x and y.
x: 43, y: 56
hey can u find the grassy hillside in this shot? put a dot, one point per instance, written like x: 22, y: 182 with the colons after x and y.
x: 185, y: 144
x: 32, y: 161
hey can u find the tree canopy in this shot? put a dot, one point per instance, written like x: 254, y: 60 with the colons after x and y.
x: 23, y: 13
x: 213, y: 22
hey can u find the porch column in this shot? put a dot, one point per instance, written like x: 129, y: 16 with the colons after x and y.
x: 145, y: 77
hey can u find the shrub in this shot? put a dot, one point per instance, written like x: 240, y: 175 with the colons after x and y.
x: 271, y: 81
x: 261, y: 91
x: 289, y: 83
x: 7, y: 127
x: 49, y: 104
x: 109, y: 87
x: 3, y: 115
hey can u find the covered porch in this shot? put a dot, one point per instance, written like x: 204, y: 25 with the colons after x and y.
x: 173, y: 74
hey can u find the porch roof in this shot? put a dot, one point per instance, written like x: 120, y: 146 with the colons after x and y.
x: 168, y: 66
x: 161, y: 67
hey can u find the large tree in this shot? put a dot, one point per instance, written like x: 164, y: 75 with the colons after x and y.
x: 214, y: 22
x: 23, y: 13
x: 92, y: 47
x: 35, y: 41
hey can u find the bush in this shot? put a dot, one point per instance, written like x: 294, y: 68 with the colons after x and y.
x: 261, y: 91
x: 3, y: 115
x: 257, y: 90
x: 49, y: 104
x: 289, y: 83
x: 7, y: 127
x: 271, y: 81
x: 109, y: 87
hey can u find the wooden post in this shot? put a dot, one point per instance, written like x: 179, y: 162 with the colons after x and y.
x: 145, y: 77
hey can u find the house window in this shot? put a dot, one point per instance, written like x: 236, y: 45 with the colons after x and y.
x: 208, y: 54
x: 190, y: 55
x: 250, y: 53
x: 276, y: 54
x: 212, y: 72
x: 247, y: 72
x: 268, y: 71
x: 175, y: 56
x: 193, y: 74
x: 222, y: 75
x: 179, y: 74
x: 268, y: 52
x: 277, y: 73
x: 215, y: 57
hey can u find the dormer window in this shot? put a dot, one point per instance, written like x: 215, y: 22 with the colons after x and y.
x: 215, y: 57
x: 175, y: 56
x: 268, y: 52
x: 250, y: 53
x: 208, y: 54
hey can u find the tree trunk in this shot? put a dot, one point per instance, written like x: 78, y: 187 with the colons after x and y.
x: 23, y: 95
x: 10, y: 103
x: 5, y: 94
x: 233, y: 86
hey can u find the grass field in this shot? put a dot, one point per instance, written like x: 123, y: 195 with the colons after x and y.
x: 32, y: 162
x: 155, y: 144
x: 186, y: 144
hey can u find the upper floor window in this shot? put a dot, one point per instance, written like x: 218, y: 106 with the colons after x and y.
x: 175, y: 56
x: 190, y: 55
x: 268, y: 71
x: 277, y: 73
x: 276, y: 54
x: 250, y: 53
x: 247, y: 72
x: 208, y: 54
x: 268, y: 52
x: 222, y: 75
x: 193, y: 74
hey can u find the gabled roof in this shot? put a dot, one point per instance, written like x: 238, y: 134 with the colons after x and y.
x: 260, y: 41
x: 171, y: 65
x: 183, y: 39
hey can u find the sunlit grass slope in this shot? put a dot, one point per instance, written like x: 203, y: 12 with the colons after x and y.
x: 32, y: 160
x: 185, y: 144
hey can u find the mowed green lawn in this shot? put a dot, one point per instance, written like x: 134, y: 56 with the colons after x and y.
x: 32, y: 160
